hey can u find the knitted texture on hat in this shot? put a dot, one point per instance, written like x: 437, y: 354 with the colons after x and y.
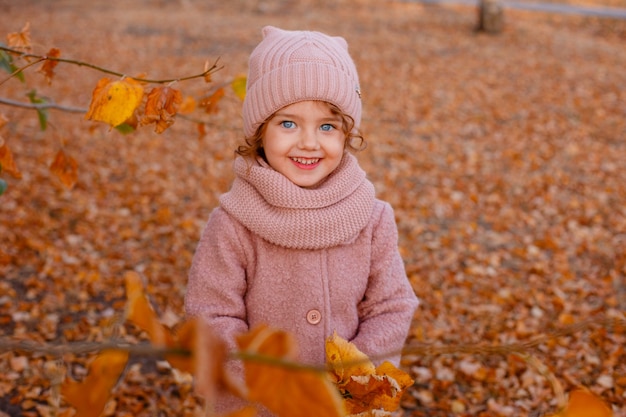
x: 277, y: 210
x: 291, y: 66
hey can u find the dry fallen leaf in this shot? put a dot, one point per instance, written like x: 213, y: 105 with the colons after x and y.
x: 161, y: 106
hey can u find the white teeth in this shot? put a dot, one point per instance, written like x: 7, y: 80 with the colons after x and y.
x: 304, y: 161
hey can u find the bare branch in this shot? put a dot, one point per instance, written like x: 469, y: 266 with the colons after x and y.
x: 41, y: 106
x: 210, y: 70
x: 79, y: 348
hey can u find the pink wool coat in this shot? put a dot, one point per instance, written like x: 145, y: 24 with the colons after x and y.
x: 309, y: 261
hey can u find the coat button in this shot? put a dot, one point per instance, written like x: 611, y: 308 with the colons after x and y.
x: 313, y: 316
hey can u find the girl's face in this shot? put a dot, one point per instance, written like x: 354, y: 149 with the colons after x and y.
x: 304, y: 142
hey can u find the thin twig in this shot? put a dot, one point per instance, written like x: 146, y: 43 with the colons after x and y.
x: 42, y: 106
x: 81, y: 348
x: 213, y: 68
x: 17, y: 71
x: 521, y: 347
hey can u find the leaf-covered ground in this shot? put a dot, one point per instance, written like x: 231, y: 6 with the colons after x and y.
x: 503, y: 156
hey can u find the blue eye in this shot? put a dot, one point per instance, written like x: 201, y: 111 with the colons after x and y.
x: 287, y: 124
x: 327, y: 127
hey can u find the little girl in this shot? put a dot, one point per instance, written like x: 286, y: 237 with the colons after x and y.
x: 300, y: 242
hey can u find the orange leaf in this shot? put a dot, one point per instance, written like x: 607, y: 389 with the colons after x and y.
x: 161, y: 106
x: 140, y: 312
x: 364, y: 387
x: 6, y: 162
x: 584, y: 403
x: 188, y: 105
x: 114, y: 102
x: 48, y: 66
x: 210, y: 103
x: 194, y: 348
x: 20, y: 40
x: 65, y: 168
x: 202, y: 354
x: 201, y: 130
x: 295, y: 391
x: 91, y: 395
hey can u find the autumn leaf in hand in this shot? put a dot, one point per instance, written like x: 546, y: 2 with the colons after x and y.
x: 344, y: 360
x: 90, y: 396
x: 584, y: 403
x: 274, y: 379
x: 114, y: 102
x: 65, y: 168
x: 365, y: 388
x: 161, y: 107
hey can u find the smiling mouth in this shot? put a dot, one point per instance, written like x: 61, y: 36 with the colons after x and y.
x: 306, y: 161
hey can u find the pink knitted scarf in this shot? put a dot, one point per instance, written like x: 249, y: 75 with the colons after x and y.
x: 270, y: 205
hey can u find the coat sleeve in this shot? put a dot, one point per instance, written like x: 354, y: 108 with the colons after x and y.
x: 387, y: 309
x: 216, y: 284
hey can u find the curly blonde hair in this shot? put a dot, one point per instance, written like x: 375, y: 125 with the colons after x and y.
x: 354, y: 140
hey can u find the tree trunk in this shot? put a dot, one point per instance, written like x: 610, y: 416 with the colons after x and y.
x: 490, y: 16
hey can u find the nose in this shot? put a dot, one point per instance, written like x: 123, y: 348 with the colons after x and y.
x: 308, y: 140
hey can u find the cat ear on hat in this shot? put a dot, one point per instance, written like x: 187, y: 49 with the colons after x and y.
x: 268, y: 30
x: 341, y: 41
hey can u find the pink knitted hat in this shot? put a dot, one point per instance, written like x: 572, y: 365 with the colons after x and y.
x: 291, y: 66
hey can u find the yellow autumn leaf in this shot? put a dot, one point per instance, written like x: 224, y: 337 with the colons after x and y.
x: 276, y: 381
x: 584, y: 403
x: 239, y: 86
x: 90, y: 396
x: 344, y: 359
x: 114, y: 102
